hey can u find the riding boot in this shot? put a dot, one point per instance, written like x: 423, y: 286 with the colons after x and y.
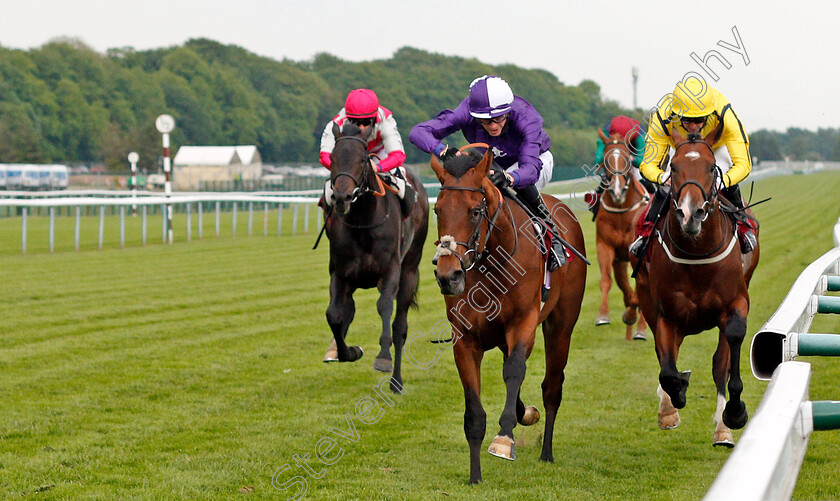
x: 532, y: 198
x: 658, y: 208
x: 594, y: 198
x: 326, y: 200
x: 746, y: 230
x: 407, y: 201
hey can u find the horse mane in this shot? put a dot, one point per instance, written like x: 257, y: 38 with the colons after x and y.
x: 458, y: 165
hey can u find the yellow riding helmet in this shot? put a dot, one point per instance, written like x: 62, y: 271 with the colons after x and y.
x: 693, y: 97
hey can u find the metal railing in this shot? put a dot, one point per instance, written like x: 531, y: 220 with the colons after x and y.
x: 766, y: 462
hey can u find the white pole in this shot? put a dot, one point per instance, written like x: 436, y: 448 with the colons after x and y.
x: 133, y: 157
x: 164, y: 125
x: 167, y: 169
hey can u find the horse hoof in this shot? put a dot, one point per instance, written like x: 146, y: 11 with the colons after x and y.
x: 669, y: 421
x: 355, y: 353
x: 332, y: 353
x: 723, y: 439
x: 602, y: 320
x: 736, y: 419
x: 640, y: 336
x: 502, y: 447
x: 531, y: 416
x: 383, y: 365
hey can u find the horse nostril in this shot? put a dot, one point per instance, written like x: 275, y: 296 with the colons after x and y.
x: 680, y: 214
x: 699, y: 214
x: 456, y: 276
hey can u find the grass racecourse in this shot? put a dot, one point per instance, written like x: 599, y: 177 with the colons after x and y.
x: 193, y: 371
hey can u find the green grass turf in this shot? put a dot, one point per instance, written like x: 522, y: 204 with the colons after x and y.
x: 193, y: 371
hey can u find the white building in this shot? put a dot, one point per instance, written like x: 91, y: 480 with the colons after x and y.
x: 194, y: 165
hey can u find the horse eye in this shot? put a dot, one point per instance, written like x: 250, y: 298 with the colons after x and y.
x: 476, y: 212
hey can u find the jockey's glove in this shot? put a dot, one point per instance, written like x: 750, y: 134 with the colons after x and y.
x: 500, y: 178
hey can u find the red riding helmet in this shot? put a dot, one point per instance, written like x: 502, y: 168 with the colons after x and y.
x: 361, y: 103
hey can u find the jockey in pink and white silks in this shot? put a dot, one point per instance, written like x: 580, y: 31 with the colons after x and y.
x: 378, y: 125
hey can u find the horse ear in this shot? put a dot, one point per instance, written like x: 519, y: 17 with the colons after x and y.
x: 440, y: 172
x: 483, y: 166
x: 603, y: 136
x: 714, y: 136
x: 336, y: 130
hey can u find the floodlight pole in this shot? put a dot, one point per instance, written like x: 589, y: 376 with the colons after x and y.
x: 165, y: 124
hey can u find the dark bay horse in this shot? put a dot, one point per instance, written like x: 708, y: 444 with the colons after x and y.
x: 615, y: 231
x: 371, y: 246
x: 697, y: 279
x: 491, y: 272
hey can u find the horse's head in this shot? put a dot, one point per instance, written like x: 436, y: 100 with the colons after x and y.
x: 694, y: 178
x: 462, y: 206
x: 617, y: 166
x: 351, y: 168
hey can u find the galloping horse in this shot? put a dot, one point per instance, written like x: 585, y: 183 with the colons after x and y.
x: 491, y: 271
x: 615, y: 231
x: 696, y: 280
x: 371, y: 246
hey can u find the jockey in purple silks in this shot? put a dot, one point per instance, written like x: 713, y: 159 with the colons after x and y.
x: 513, y: 129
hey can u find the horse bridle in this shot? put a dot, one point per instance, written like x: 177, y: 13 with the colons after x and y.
x: 472, y: 244
x: 708, y: 199
x: 362, y: 183
x: 611, y: 176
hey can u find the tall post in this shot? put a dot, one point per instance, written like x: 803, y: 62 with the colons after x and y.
x: 165, y: 124
x: 635, y: 79
x: 133, y: 157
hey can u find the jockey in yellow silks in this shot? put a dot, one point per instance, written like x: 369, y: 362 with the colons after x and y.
x: 696, y: 108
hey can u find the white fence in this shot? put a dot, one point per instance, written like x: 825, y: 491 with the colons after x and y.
x: 140, y: 201
x: 766, y: 462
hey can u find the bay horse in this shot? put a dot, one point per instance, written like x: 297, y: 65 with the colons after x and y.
x: 491, y: 272
x: 622, y: 199
x: 696, y: 279
x: 371, y: 246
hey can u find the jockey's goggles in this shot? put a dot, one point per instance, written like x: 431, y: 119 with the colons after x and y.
x: 694, y: 120
x: 362, y: 122
x: 496, y: 120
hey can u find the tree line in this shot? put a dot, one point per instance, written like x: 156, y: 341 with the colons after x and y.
x: 64, y: 102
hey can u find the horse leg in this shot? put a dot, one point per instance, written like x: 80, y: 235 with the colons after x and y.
x: 385, y: 307
x: 405, y: 298
x: 340, y: 314
x: 606, y: 255
x: 641, y: 327
x: 735, y: 328
x: 557, y: 332
x: 668, y: 416
x: 468, y: 361
x: 720, y: 372
x: 668, y: 342
x: 513, y: 372
x: 622, y: 280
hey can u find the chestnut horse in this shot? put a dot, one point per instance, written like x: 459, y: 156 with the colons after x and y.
x: 615, y: 231
x: 371, y: 246
x: 491, y: 271
x: 697, y: 279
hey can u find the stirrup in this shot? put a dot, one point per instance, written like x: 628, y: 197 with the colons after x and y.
x: 748, y: 242
x: 637, y: 246
x: 556, y: 258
